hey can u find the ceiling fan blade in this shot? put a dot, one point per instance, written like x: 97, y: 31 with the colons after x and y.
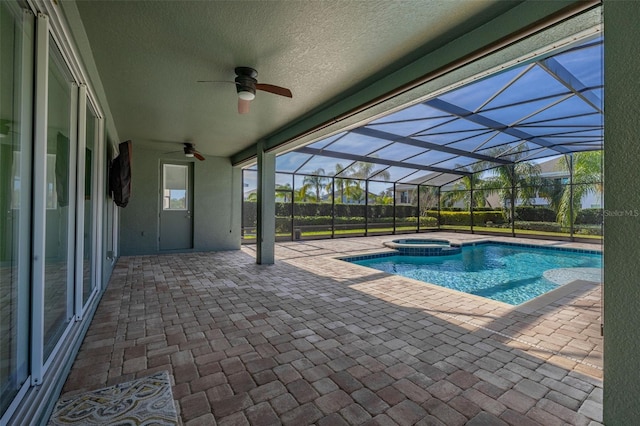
x: 243, y: 106
x: 276, y: 90
x: 198, y: 155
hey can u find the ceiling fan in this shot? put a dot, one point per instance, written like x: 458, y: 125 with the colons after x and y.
x: 190, y: 151
x: 246, y: 85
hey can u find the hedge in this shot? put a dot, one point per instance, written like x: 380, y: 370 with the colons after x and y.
x: 283, y: 224
x: 553, y: 227
x: 464, y: 218
x: 324, y: 209
x: 475, y: 209
x: 588, y: 221
x: 589, y: 217
x: 535, y: 214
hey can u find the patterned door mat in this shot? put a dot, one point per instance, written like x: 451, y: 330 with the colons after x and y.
x: 143, y: 401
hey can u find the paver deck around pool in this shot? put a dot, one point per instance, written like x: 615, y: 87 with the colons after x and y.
x: 314, y: 340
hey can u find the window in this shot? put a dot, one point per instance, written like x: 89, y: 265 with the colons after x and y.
x: 175, y: 187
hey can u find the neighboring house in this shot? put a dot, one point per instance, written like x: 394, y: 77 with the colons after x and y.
x: 552, y: 169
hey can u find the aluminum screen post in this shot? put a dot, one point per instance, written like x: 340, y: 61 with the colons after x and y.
x: 512, y: 177
x: 471, y: 201
x: 571, y: 218
x: 366, y: 208
x: 418, y: 204
x: 266, y: 226
x: 439, y: 194
x: 394, y: 208
x: 333, y: 207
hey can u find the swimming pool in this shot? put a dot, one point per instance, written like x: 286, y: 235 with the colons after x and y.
x: 509, y: 273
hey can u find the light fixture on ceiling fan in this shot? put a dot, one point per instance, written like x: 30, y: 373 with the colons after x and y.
x: 246, y: 85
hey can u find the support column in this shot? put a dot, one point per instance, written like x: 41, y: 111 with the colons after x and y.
x: 266, y: 226
x: 621, y: 214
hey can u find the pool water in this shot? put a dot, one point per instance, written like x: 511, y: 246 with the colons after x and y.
x: 507, y: 273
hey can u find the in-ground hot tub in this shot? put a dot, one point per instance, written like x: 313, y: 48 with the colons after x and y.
x: 423, y: 247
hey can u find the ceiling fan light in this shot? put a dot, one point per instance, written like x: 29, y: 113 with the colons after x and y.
x: 246, y: 95
x: 188, y: 154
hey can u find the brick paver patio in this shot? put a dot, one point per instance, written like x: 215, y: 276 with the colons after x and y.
x: 314, y: 340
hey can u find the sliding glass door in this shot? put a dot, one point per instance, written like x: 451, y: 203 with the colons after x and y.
x: 16, y: 35
x: 51, y: 195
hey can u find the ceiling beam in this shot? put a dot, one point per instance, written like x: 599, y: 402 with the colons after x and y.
x: 491, y: 124
x: 568, y: 80
x: 374, y: 133
x: 375, y: 160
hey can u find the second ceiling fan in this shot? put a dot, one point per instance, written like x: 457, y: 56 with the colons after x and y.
x: 246, y: 85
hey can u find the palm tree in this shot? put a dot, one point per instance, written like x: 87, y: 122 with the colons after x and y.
x: 552, y: 190
x: 284, y: 192
x: 354, y: 191
x: 351, y: 186
x: 587, y: 179
x: 363, y: 171
x: 384, y: 198
x: 464, y: 186
x: 316, y: 180
x: 523, y: 176
x: 301, y: 194
x: 341, y: 183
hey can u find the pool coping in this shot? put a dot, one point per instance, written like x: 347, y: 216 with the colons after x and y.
x: 535, y: 304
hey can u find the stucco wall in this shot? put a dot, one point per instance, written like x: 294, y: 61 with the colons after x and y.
x: 216, y: 212
x: 622, y: 214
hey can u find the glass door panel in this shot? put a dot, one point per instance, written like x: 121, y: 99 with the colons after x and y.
x: 58, y: 306
x: 15, y: 199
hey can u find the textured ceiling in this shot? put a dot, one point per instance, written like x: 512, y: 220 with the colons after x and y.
x: 151, y: 53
